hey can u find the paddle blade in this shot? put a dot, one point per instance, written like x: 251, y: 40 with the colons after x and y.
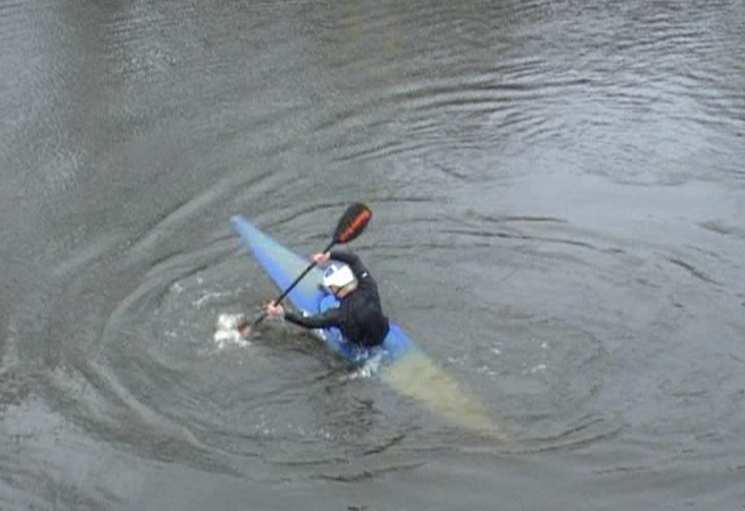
x: 352, y: 223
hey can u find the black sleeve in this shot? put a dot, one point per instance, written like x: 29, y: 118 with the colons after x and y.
x: 323, y: 320
x: 353, y: 260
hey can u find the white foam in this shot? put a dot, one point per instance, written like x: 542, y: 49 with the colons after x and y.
x: 226, y: 331
x: 198, y: 303
x: 368, y: 369
x: 229, y: 321
x: 538, y: 368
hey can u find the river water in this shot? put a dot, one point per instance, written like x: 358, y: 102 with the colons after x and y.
x: 559, y: 223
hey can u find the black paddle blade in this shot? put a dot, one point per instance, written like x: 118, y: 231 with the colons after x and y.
x: 352, y: 223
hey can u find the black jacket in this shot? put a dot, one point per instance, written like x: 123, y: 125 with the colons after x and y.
x: 359, y: 316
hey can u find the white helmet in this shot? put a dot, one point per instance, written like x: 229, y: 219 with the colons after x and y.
x: 338, y: 276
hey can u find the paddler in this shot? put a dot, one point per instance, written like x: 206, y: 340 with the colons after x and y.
x: 359, y: 316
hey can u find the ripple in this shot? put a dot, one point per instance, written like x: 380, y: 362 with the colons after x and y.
x: 579, y: 314
x: 721, y: 227
x: 367, y: 475
x: 586, y: 431
x: 692, y: 270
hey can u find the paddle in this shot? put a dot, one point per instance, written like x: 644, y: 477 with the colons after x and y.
x: 351, y: 224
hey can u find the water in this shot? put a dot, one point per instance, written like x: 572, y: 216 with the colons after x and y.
x: 559, y: 199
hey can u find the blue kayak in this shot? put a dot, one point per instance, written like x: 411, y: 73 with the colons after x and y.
x: 309, y: 297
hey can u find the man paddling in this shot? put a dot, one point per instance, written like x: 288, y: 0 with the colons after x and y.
x: 359, y: 316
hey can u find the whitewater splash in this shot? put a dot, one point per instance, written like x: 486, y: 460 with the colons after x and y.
x: 367, y: 370
x: 226, y: 331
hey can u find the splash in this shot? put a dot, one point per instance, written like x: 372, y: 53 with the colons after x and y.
x: 367, y: 370
x: 226, y: 331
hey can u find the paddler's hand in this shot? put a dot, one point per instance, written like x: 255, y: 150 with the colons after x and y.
x: 321, y: 257
x: 274, y: 311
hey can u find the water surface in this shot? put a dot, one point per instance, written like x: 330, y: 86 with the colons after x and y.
x: 559, y: 199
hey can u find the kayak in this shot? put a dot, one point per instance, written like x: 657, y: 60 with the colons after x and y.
x: 309, y: 297
x: 405, y: 367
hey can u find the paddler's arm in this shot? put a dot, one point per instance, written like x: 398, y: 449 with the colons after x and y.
x: 326, y: 319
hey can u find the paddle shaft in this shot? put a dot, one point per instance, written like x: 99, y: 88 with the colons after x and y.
x: 281, y: 297
x: 302, y: 275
